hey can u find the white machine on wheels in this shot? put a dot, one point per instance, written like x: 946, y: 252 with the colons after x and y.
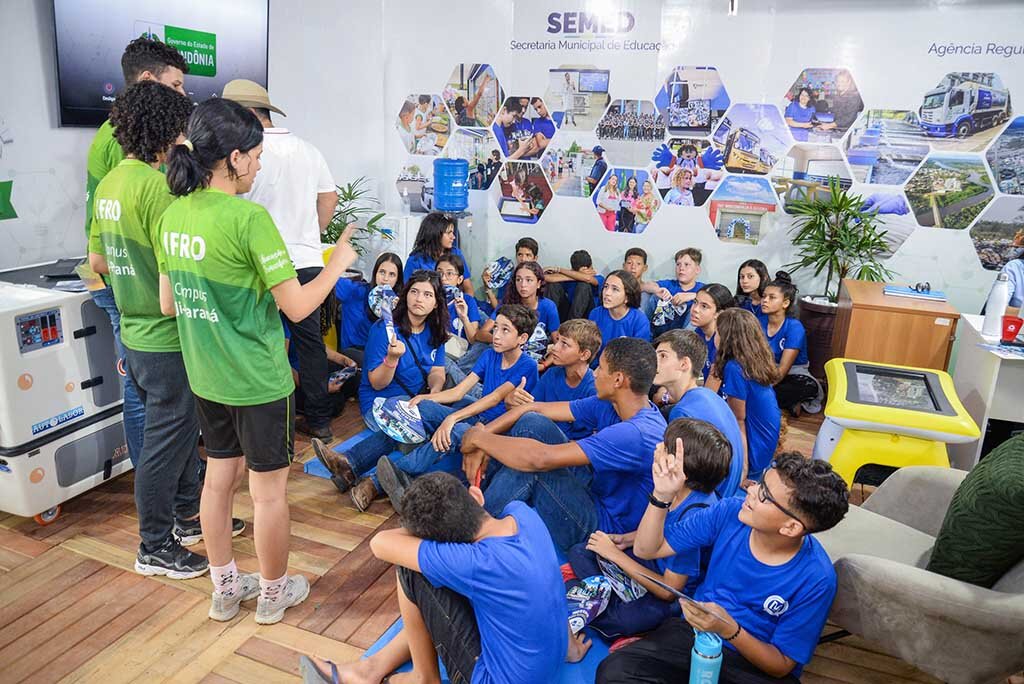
x: 61, y: 430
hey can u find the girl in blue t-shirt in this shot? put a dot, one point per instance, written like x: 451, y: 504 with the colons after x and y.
x: 747, y: 370
x: 619, y: 314
x: 436, y: 237
x: 711, y: 300
x: 751, y: 279
x: 355, y: 317
x: 796, y: 389
x: 528, y: 289
x: 411, y: 363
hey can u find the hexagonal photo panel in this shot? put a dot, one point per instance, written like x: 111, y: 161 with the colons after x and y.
x: 949, y: 190
x: 752, y: 138
x: 473, y: 95
x: 998, y: 236
x: 523, y: 193
x: 892, y: 212
x: 577, y: 95
x: 424, y: 124
x: 415, y: 185
x: 626, y: 200
x: 806, y: 171
x: 686, y: 170
x: 523, y: 127
x: 964, y: 111
x: 1006, y: 158
x: 822, y: 104
x: 885, y: 146
x: 574, y: 164
x: 479, y: 148
x: 692, y: 100
x: 743, y: 210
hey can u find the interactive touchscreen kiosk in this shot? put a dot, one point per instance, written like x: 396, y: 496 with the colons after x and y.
x: 889, y: 415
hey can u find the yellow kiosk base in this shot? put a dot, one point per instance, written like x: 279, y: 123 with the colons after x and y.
x: 857, y: 448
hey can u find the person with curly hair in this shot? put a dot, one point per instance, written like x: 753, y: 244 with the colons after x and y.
x: 143, y: 60
x: 147, y: 120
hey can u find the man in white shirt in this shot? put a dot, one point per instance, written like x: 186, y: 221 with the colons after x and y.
x: 296, y: 187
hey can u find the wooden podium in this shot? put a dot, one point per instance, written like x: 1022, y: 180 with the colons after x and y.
x: 871, y: 326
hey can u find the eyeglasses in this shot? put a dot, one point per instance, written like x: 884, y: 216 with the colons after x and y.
x: 922, y: 287
x: 765, y: 496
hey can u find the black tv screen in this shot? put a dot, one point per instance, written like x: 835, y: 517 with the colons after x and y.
x: 221, y: 41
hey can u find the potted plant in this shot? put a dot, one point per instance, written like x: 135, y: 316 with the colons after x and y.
x: 356, y: 205
x: 833, y: 235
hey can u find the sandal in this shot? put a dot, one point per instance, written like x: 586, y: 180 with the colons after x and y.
x: 311, y: 674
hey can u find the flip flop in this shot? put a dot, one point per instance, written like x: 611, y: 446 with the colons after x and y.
x: 311, y: 674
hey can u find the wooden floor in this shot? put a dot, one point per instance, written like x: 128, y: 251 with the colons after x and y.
x: 72, y: 610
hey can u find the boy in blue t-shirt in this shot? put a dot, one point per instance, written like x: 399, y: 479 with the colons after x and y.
x: 681, y: 355
x: 569, y: 376
x: 501, y: 370
x: 637, y: 604
x: 681, y: 290
x: 535, y: 462
x: 769, y: 584
x: 485, y: 590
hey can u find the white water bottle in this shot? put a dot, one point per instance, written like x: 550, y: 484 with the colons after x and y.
x: 995, y: 307
x: 406, y: 206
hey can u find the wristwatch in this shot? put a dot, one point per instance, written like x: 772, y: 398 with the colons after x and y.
x: 656, y: 502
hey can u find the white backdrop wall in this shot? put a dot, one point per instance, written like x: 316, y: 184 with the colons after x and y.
x: 342, y: 70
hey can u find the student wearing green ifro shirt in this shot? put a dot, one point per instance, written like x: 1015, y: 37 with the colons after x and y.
x: 143, y: 60
x: 224, y: 272
x: 149, y: 118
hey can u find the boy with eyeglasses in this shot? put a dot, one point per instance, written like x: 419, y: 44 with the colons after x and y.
x: 769, y: 584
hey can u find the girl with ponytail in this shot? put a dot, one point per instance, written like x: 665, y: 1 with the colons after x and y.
x: 225, y: 273
x: 795, y: 388
x: 711, y: 300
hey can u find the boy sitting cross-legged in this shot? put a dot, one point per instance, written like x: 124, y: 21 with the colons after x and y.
x: 637, y: 604
x: 769, y: 584
x: 483, y: 593
x: 501, y: 370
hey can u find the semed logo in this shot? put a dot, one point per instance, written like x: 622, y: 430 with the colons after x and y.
x: 775, y: 605
x: 601, y: 23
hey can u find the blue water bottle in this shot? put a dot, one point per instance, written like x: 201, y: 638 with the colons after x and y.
x: 705, y: 658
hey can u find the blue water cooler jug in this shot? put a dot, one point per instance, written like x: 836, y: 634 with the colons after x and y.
x: 451, y: 184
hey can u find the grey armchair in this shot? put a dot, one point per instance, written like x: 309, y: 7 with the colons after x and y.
x: 958, y: 632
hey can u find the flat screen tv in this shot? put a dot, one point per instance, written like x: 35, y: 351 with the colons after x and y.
x: 221, y: 41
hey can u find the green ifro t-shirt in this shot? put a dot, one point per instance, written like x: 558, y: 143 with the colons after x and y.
x: 127, y: 206
x: 104, y: 154
x: 223, y: 254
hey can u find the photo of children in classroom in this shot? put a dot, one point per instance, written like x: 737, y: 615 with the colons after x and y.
x: 523, y: 192
x: 626, y: 200
x: 423, y: 124
x: 822, y: 104
x: 577, y: 95
x: 473, y: 95
x: 523, y: 127
x: 693, y: 99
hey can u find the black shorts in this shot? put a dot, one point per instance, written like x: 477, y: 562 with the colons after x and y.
x: 263, y: 433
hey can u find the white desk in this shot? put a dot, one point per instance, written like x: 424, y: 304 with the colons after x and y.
x: 989, y: 385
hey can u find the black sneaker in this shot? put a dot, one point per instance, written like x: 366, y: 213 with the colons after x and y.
x: 394, y: 481
x: 172, y: 560
x: 189, y: 532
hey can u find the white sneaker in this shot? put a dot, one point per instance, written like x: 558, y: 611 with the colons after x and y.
x: 296, y: 589
x: 224, y: 608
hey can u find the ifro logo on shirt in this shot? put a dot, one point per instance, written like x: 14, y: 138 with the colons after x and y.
x: 775, y: 605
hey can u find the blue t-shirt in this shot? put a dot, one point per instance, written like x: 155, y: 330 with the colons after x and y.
x: 407, y: 372
x: 418, y: 261
x: 784, y: 605
x: 517, y: 594
x: 674, y: 288
x: 687, y: 561
x: 492, y: 375
x: 545, y: 126
x: 621, y: 454
x: 355, y: 322
x: 712, y: 351
x: 801, y: 115
x: 703, y: 404
x: 597, y: 170
x: 547, y: 323
x: 552, y: 387
x: 522, y: 131
x: 763, y: 420
x: 790, y: 335
x: 472, y: 312
x: 499, y: 137
x: 746, y: 303
x: 633, y: 324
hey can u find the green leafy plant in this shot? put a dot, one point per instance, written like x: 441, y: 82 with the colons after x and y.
x: 356, y: 204
x: 836, y: 236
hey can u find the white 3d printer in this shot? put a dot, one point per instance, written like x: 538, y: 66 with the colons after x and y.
x: 61, y: 430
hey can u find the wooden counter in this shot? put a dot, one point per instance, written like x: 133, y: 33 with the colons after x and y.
x: 871, y: 326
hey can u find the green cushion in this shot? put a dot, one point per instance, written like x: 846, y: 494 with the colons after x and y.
x: 982, y: 536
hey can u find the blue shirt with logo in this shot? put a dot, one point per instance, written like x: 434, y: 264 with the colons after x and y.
x: 553, y: 387
x: 492, y: 376
x: 703, y: 404
x: 633, y: 324
x: 763, y: 420
x: 455, y: 325
x: 407, y: 372
x: 547, y: 323
x: 790, y: 335
x: 784, y: 605
x: 687, y: 561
